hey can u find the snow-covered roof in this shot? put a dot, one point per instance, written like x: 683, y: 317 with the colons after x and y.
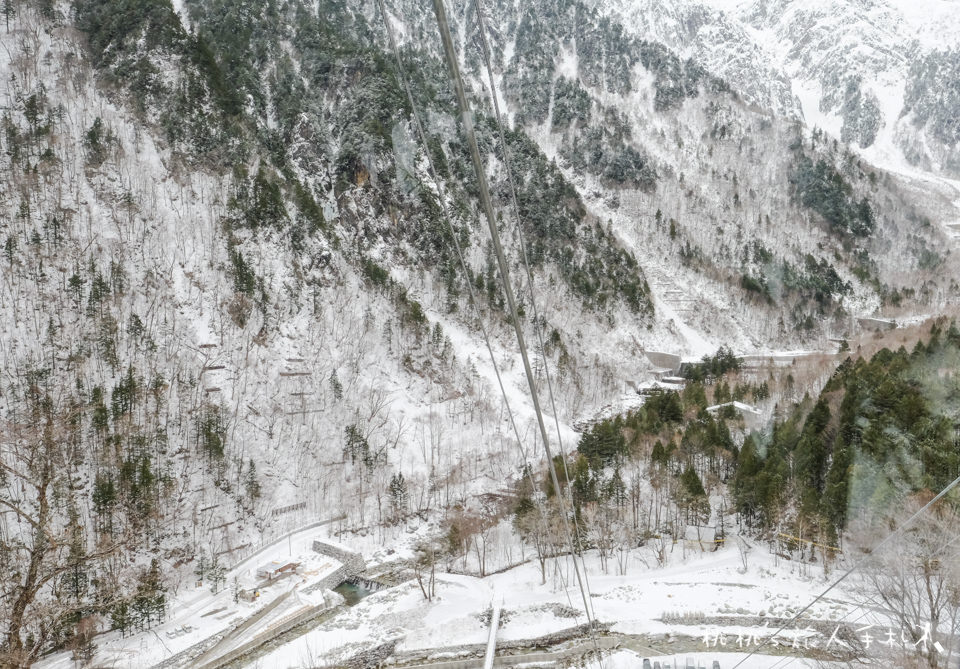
x: 739, y: 406
x: 652, y: 386
x: 268, y: 568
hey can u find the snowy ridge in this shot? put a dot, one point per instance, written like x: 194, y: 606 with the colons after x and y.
x: 831, y: 62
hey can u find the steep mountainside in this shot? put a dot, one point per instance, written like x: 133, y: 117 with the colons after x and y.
x: 741, y: 219
x: 229, y: 302
x: 875, y: 74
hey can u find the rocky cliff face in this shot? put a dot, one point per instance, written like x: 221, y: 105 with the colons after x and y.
x: 930, y: 124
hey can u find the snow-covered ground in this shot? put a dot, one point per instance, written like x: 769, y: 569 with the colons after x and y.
x: 645, y: 600
x: 197, y: 613
x: 693, y: 597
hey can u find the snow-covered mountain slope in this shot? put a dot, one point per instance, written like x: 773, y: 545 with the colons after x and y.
x: 714, y: 35
x: 174, y: 389
x: 689, y: 174
x: 881, y: 73
x: 229, y: 301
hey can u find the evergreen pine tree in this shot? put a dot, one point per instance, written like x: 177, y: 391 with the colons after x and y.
x: 149, y: 603
x: 251, y: 485
x: 691, y: 482
x: 837, y: 488
x: 398, y: 494
x: 812, y: 450
x: 217, y: 574
x: 8, y: 12
x: 336, y: 386
x: 617, y: 490
x: 658, y: 455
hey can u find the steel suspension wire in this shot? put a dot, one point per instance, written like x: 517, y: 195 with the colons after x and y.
x: 516, y: 212
x: 446, y: 215
x: 418, y: 125
x: 526, y: 262
x: 896, y: 533
x: 481, y: 23
x: 467, y: 119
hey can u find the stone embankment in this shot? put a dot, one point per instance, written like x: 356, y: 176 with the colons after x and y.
x: 351, y: 566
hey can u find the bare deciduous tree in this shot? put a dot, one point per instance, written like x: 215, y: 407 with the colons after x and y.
x: 914, y: 583
x: 427, y: 553
x: 44, y: 541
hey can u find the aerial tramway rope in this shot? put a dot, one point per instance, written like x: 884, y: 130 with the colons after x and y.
x: 463, y: 265
x: 467, y: 119
x: 481, y: 23
x: 451, y: 59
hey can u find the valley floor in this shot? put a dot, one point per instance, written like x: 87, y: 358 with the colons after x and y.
x: 705, y: 605
x: 700, y: 602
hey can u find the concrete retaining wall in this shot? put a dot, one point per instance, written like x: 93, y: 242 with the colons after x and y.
x: 664, y: 360
x: 338, y: 553
x: 330, y: 581
x: 352, y: 565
